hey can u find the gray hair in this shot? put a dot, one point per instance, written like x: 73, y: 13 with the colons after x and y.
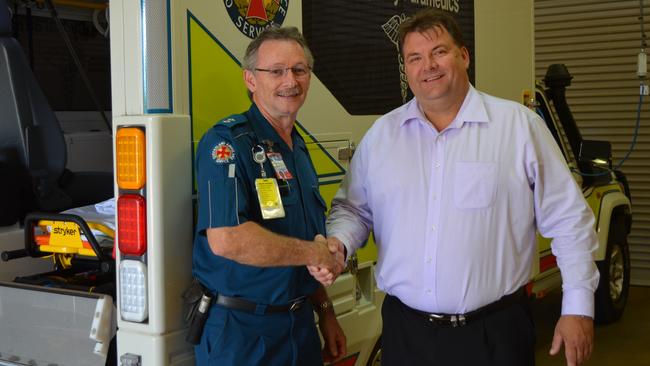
x: 278, y: 34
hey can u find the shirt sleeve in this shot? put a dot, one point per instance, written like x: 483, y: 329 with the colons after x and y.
x: 222, y: 193
x: 350, y: 218
x: 562, y: 213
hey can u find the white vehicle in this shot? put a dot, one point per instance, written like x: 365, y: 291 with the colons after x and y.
x: 175, y: 70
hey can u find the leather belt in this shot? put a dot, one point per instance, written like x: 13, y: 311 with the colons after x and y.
x: 459, y: 320
x: 237, y: 303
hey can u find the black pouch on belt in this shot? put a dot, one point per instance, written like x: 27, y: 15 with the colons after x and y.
x: 196, y: 306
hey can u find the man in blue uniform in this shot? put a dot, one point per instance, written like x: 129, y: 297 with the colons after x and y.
x: 260, y: 223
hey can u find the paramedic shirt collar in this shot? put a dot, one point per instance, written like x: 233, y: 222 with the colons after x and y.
x: 265, y: 131
x: 472, y: 110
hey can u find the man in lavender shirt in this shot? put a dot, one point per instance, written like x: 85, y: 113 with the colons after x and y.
x: 454, y: 185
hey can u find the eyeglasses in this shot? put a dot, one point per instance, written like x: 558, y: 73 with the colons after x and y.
x: 280, y: 72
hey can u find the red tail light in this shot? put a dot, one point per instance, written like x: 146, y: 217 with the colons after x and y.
x: 132, y: 224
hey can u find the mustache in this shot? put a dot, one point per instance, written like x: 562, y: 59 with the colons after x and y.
x: 290, y: 92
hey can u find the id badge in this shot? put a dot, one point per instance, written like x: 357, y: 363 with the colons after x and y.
x: 268, y: 194
x: 279, y: 167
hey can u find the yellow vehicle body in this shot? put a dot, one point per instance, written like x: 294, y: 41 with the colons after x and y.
x: 176, y: 71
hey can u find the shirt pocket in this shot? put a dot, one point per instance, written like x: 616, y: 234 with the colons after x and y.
x: 474, y: 184
x: 288, y: 192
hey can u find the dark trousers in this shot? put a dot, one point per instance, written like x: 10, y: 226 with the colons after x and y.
x: 502, y: 338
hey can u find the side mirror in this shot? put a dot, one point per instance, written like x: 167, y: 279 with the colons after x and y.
x: 596, y: 153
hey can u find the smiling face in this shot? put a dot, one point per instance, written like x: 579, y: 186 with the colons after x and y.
x: 279, y: 97
x: 436, y: 69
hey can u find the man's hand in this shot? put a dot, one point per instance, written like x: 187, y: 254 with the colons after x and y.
x: 577, y: 334
x: 337, y: 250
x: 334, y: 347
x: 327, y: 274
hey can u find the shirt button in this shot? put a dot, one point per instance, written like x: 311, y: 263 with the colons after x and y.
x: 428, y: 291
x: 429, y: 260
x: 437, y: 165
x: 433, y: 227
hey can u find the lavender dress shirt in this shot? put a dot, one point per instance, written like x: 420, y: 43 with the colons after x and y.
x: 455, y: 213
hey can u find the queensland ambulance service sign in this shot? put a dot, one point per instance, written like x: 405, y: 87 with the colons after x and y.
x: 252, y: 16
x: 355, y: 48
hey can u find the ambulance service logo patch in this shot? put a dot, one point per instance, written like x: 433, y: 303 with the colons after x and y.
x: 253, y: 16
x: 223, y: 153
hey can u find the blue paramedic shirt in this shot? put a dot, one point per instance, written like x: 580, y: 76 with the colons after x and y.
x: 226, y: 173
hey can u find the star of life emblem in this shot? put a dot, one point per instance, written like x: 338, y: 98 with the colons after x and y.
x: 223, y: 153
x: 251, y: 17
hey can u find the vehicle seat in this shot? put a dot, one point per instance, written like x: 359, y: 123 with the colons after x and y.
x: 32, y: 145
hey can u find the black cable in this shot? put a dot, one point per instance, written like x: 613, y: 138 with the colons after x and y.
x: 14, y: 21
x: 636, y: 132
x: 30, y: 36
x: 638, y: 109
x: 643, y: 36
x: 629, y: 151
x: 75, y: 58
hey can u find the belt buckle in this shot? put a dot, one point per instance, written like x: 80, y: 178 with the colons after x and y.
x: 458, y: 320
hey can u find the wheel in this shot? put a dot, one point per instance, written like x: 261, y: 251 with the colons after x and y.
x: 375, y: 355
x: 613, y: 288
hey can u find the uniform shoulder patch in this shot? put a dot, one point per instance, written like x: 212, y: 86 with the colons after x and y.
x: 223, y: 153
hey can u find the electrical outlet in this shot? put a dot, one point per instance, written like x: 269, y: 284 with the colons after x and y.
x: 345, y: 153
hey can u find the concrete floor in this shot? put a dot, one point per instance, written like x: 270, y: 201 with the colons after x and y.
x: 626, y: 342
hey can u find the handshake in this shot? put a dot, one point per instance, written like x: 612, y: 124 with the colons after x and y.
x: 328, y: 261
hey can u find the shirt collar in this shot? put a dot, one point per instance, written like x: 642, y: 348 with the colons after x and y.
x: 265, y: 131
x: 472, y: 110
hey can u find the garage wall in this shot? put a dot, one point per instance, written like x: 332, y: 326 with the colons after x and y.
x: 598, y: 40
x: 503, y: 70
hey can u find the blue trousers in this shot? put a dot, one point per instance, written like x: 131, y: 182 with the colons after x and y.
x: 237, y: 338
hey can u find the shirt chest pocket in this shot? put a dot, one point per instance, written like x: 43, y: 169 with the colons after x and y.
x: 474, y: 184
x: 288, y: 192
x: 314, y: 203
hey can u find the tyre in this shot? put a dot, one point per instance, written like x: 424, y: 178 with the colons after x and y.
x: 614, y: 285
x: 375, y: 355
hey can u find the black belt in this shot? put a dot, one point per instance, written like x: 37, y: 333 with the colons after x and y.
x: 459, y: 320
x: 237, y: 303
